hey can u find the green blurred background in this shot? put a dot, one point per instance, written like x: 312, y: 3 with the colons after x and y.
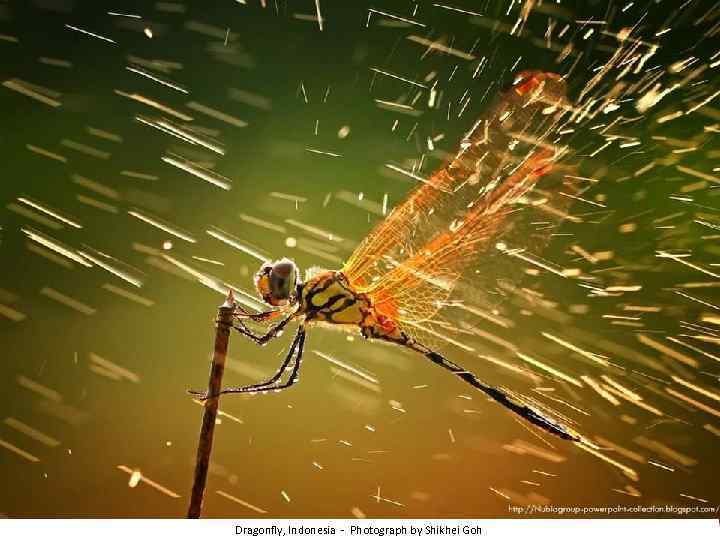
x: 433, y: 450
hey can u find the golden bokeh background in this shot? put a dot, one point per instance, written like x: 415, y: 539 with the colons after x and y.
x: 92, y: 391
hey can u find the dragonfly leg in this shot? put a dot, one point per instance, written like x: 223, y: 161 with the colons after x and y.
x: 257, y: 317
x: 531, y: 415
x: 262, y: 339
x: 296, y: 350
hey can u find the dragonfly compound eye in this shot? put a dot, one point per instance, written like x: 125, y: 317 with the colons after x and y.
x: 276, y: 282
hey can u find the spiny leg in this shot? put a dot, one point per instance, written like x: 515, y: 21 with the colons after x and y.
x: 296, y: 365
x: 296, y: 349
x: 271, y: 380
x: 502, y: 398
x: 262, y: 339
x: 261, y: 316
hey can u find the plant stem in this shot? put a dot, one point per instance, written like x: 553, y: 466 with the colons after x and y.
x: 222, y: 334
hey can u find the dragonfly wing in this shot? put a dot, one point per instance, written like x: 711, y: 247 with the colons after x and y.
x: 504, y: 195
x: 419, y: 286
x: 396, y: 231
x: 518, y: 126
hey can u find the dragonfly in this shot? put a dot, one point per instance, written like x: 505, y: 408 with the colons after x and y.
x: 431, y: 248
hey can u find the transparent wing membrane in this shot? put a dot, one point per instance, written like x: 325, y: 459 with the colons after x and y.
x: 481, y: 218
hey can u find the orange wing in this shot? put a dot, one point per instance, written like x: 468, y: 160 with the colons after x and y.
x: 361, y: 268
x: 412, y: 260
x: 418, y: 287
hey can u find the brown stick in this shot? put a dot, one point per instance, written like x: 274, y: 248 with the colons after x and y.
x: 222, y: 333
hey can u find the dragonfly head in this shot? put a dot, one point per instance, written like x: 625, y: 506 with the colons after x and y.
x: 277, y: 282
